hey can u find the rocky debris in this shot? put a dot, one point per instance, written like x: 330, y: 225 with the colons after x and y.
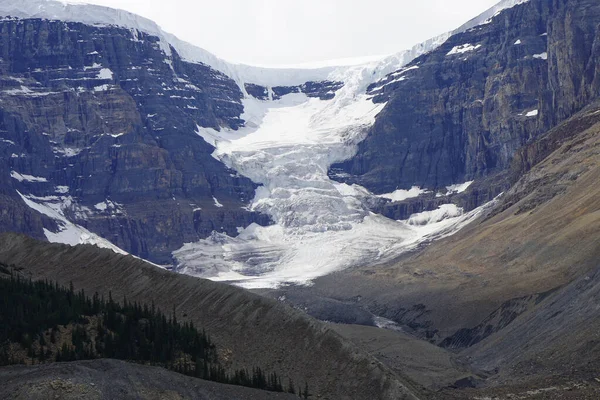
x: 113, y: 379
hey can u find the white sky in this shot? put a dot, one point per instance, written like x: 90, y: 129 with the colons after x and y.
x: 275, y: 32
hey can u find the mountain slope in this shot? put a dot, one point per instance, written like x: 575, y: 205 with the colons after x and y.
x: 247, y: 329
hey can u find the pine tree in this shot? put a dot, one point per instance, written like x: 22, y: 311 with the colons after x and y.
x: 291, y: 388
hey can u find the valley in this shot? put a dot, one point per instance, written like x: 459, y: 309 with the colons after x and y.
x: 424, y: 225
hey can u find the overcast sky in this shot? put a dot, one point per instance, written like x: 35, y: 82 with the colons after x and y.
x: 275, y: 32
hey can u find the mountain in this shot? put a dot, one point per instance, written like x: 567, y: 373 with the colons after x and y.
x: 462, y: 111
x: 440, y: 204
x: 119, y: 134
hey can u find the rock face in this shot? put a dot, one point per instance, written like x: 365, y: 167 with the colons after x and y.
x: 324, y: 90
x: 100, y: 121
x: 462, y: 111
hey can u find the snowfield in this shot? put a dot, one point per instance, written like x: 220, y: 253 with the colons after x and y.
x: 320, y: 226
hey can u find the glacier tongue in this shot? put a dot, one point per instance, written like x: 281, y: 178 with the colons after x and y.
x: 321, y: 226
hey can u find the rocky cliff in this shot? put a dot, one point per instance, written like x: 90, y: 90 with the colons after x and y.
x: 462, y: 111
x: 96, y: 122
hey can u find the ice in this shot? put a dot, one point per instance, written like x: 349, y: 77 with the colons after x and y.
x: 445, y: 211
x: 287, y: 145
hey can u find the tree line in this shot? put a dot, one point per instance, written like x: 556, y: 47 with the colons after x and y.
x: 31, y: 313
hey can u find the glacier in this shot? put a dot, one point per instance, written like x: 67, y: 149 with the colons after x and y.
x: 320, y: 226
x: 287, y: 145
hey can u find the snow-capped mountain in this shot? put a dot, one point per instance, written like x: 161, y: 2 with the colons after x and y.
x: 256, y: 175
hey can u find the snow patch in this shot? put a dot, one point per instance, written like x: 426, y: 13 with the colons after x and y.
x: 217, y: 204
x: 110, y: 206
x: 67, y: 151
x: 458, y: 188
x: 541, y: 56
x: 464, y: 48
x: 445, y: 211
x: 400, y: 194
x: 533, y: 113
x: 68, y: 232
x: 26, y: 178
x: 105, y: 73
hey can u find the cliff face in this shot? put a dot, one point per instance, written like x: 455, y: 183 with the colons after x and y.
x: 462, y: 111
x: 98, y: 121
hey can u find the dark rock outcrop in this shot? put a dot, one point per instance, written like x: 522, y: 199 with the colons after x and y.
x: 324, y: 90
x: 462, y: 111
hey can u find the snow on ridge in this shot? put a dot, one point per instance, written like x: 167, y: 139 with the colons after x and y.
x: 240, y: 73
x: 490, y: 13
x: 99, y: 15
